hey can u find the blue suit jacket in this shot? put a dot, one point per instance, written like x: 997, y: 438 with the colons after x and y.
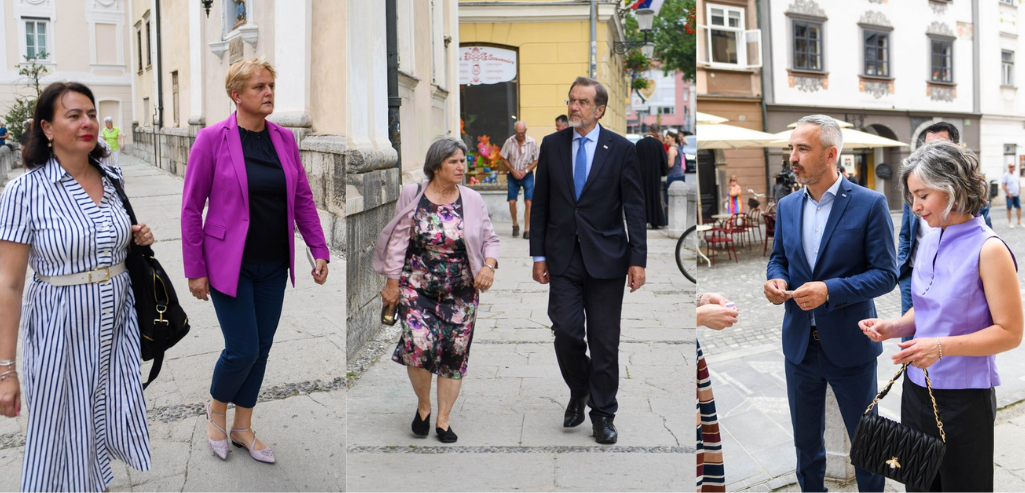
x: 906, y: 245
x: 856, y: 261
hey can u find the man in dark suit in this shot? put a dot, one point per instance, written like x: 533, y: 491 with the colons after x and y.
x: 834, y: 249
x: 587, y: 179
x: 651, y: 154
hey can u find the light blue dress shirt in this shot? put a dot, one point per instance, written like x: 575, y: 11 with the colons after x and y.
x: 813, y: 223
x: 589, y: 148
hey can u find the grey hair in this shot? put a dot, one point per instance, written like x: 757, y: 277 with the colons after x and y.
x: 830, y: 134
x: 439, y: 151
x: 947, y: 167
x: 108, y: 119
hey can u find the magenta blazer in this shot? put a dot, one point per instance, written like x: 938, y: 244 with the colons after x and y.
x: 479, y: 235
x: 216, y: 173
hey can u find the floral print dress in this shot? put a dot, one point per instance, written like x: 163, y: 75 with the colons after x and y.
x: 438, y: 304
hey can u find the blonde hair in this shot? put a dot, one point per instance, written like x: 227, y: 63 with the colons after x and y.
x: 241, y: 71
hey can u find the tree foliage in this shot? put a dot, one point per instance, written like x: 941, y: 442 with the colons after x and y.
x: 674, y: 34
x: 25, y: 106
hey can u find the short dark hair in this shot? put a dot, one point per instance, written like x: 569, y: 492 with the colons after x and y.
x: 439, y: 151
x: 938, y: 127
x: 601, y: 95
x: 654, y: 128
x: 563, y: 119
x: 36, y: 152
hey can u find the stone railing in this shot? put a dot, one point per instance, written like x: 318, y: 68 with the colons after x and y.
x: 9, y: 159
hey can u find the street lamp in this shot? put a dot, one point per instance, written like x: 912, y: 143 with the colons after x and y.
x: 645, y: 17
x: 207, y: 4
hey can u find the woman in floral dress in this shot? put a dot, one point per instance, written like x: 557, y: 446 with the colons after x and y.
x: 438, y: 253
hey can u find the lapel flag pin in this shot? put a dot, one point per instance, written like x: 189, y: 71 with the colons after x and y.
x: 604, y: 147
x: 844, y: 195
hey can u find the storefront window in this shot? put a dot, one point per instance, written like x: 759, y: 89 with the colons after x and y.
x: 489, y: 92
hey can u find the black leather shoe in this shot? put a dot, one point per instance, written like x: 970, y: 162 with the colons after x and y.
x: 421, y: 427
x: 575, y: 411
x: 604, y: 431
x: 446, y: 436
x: 516, y: 231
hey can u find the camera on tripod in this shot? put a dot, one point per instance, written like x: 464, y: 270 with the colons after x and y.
x: 786, y: 182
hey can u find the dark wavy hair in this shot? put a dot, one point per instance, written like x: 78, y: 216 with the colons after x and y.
x: 36, y: 152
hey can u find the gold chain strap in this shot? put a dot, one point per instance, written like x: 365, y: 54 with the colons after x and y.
x: 928, y: 383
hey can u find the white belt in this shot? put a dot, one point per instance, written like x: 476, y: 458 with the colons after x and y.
x: 98, y: 276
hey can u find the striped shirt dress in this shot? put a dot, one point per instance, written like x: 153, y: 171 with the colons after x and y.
x: 80, y: 347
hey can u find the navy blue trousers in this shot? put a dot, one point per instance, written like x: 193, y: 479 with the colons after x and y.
x: 854, y: 387
x: 248, y: 322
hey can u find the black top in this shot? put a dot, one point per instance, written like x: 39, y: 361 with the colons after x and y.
x: 267, y: 240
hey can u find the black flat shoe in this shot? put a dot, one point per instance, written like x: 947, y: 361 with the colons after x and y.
x: 604, y: 431
x: 575, y: 411
x: 446, y: 436
x: 421, y: 427
x: 516, y: 231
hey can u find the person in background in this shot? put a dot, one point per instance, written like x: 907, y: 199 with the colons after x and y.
x: 3, y: 133
x: 561, y: 122
x: 967, y: 309
x: 1011, y: 183
x: 114, y: 138
x: 736, y: 205
x: 519, y: 154
x: 651, y: 156
x: 26, y: 128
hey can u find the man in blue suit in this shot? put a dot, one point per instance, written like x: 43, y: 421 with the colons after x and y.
x: 834, y: 250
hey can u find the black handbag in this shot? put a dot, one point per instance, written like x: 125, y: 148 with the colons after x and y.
x: 162, y: 322
x: 896, y: 451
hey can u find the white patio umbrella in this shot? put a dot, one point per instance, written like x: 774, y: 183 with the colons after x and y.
x: 722, y: 136
x: 706, y: 119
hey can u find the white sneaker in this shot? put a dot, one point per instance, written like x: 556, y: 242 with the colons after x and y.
x: 1010, y: 225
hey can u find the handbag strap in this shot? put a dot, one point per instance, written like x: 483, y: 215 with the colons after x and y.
x: 145, y: 251
x: 928, y: 384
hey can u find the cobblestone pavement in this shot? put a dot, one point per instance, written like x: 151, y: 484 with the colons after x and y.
x: 509, y: 413
x: 746, y: 363
x: 301, y: 409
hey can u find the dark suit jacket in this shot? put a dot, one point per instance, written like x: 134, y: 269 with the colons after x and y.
x: 906, y: 245
x: 856, y: 261
x: 612, y: 189
x: 651, y: 153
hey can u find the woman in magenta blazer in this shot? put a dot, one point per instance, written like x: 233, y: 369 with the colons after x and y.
x: 438, y: 253
x: 248, y: 174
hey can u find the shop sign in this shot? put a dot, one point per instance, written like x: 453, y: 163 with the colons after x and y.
x: 486, y: 65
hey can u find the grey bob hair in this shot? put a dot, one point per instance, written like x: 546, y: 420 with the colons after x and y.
x: 439, y: 151
x: 950, y: 168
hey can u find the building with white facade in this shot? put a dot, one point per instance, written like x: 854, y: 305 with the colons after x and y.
x: 1002, y: 127
x: 85, y: 42
x: 888, y: 67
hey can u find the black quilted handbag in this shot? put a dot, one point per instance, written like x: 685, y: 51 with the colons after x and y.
x: 162, y: 322
x: 896, y: 451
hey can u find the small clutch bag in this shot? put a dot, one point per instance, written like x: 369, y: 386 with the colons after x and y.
x: 388, y: 316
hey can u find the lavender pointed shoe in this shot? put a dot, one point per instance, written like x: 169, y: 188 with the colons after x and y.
x: 264, y: 455
x: 220, y: 446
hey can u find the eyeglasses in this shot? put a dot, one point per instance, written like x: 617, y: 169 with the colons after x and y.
x: 583, y: 103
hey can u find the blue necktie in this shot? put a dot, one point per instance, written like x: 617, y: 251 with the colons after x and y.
x: 580, y: 167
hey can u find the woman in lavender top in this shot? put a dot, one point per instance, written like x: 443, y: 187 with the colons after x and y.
x: 967, y: 308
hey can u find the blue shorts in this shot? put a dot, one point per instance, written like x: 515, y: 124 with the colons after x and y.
x: 1013, y: 202
x: 527, y: 183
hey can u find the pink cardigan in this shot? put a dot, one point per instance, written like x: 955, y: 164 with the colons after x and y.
x: 216, y: 173
x: 480, y: 237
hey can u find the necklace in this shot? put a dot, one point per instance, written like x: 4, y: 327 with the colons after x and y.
x: 443, y: 193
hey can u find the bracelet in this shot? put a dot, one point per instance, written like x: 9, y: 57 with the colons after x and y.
x: 7, y: 362
x: 489, y: 266
x: 940, y: 346
x: 4, y: 375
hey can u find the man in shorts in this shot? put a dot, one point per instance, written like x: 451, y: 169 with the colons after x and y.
x: 519, y: 154
x: 1012, y: 189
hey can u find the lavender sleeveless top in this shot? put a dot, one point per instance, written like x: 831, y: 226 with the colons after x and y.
x: 949, y: 301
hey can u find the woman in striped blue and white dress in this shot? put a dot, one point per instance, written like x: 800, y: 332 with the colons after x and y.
x: 81, y: 339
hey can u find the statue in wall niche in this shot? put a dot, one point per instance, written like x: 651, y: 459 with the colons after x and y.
x: 240, y: 13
